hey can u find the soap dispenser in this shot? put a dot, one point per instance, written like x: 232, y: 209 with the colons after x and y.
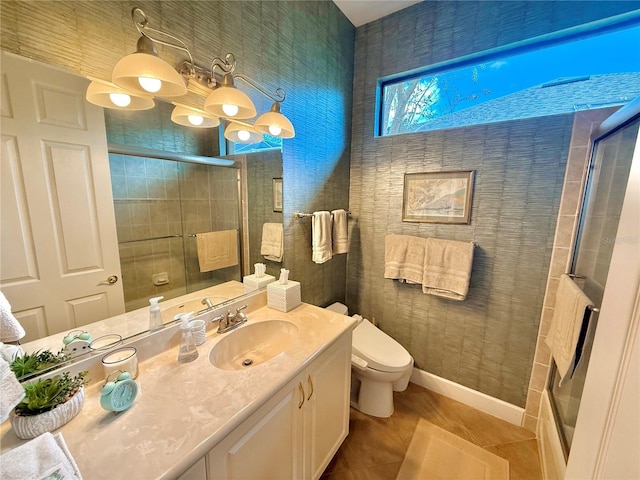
x: 188, y: 351
x: 155, y: 317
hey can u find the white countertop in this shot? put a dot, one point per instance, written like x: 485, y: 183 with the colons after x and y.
x: 183, y: 410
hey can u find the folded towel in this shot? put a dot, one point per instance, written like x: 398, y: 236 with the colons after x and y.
x: 272, y: 246
x: 340, y: 232
x: 321, y: 237
x: 566, y: 324
x: 10, y: 352
x: 44, y: 457
x: 10, y: 328
x: 11, y: 392
x: 217, y: 249
x: 404, y: 258
x: 447, y: 268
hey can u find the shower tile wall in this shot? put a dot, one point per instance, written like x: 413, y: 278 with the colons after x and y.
x: 146, y: 198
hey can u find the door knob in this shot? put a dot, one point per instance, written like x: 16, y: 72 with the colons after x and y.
x: 111, y: 279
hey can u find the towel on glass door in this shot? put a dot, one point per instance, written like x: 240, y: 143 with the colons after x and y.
x: 321, y: 233
x: 217, y: 250
x: 272, y: 245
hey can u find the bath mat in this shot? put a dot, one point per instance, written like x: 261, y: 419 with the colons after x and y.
x: 436, y: 454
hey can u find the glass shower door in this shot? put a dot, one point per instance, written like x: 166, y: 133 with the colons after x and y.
x: 602, y: 204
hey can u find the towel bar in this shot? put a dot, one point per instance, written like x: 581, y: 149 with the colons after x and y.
x: 302, y: 215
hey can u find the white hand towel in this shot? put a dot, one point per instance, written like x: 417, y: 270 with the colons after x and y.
x: 44, y: 457
x: 447, y: 268
x: 340, y: 232
x: 321, y: 237
x: 10, y: 328
x: 11, y: 392
x: 564, y: 332
x: 404, y: 258
x: 10, y: 352
x: 272, y: 245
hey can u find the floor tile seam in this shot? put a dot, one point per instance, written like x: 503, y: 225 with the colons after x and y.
x: 511, y: 442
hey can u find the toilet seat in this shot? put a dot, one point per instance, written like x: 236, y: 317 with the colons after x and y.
x: 379, y: 350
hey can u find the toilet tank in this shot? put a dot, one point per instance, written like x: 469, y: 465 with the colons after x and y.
x: 338, y: 308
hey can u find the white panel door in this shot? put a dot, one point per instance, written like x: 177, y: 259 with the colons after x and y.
x: 58, y: 235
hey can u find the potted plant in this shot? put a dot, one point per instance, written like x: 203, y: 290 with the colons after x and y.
x: 31, y: 364
x: 48, y: 404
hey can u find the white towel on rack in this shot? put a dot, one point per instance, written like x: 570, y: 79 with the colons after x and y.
x: 10, y: 328
x: 447, y: 268
x: 44, y: 457
x: 340, y: 232
x: 566, y: 324
x: 321, y: 237
x: 272, y: 245
x: 404, y: 258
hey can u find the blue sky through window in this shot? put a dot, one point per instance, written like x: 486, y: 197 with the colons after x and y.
x: 410, y: 104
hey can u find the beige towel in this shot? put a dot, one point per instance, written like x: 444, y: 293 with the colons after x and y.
x: 447, y: 268
x: 11, y: 392
x: 568, y: 316
x: 321, y: 237
x: 404, y: 257
x: 44, y: 457
x: 10, y: 328
x: 272, y: 246
x: 340, y: 232
x: 217, y: 249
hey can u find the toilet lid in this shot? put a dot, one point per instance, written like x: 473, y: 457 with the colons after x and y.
x: 380, y: 351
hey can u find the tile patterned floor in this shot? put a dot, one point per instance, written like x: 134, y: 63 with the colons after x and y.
x: 375, y: 447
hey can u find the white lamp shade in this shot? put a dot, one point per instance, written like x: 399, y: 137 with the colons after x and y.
x: 193, y: 117
x: 275, y: 124
x: 238, y: 133
x: 130, y: 69
x: 103, y: 94
x: 229, y: 96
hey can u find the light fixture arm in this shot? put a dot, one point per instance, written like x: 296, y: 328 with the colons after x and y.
x: 143, y: 28
x: 228, y: 65
x: 279, y: 96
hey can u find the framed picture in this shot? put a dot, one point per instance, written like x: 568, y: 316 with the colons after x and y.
x: 438, y: 197
x: 277, y: 194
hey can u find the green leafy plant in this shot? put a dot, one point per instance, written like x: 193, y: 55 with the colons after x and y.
x: 46, y: 394
x: 37, y: 362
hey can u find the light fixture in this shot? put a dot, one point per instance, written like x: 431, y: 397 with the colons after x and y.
x: 140, y: 76
x: 274, y: 123
x: 193, y: 117
x: 108, y: 95
x: 241, y: 132
x: 145, y: 72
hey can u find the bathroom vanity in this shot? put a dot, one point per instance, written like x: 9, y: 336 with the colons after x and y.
x: 283, y: 417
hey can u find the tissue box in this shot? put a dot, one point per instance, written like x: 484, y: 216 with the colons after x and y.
x: 283, y: 297
x: 251, y: 282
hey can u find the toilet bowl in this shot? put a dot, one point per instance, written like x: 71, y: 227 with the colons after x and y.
x: 379, y: 366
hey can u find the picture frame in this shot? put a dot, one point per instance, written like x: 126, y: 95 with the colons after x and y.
x: 277, y: 194
x: 438, y: 197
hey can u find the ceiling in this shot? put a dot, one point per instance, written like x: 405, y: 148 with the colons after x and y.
x: 365, y: 11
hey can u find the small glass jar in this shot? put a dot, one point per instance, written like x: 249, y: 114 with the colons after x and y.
x: 124, y: 359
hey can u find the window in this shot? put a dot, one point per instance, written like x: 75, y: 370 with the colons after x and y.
x: 565, y: 72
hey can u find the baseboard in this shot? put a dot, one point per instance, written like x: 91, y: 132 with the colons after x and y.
x: 473, y: 398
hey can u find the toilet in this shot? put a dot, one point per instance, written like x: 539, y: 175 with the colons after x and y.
x: 379, y: 366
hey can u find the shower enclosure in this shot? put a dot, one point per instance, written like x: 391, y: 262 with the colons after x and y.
x: 606, y: 184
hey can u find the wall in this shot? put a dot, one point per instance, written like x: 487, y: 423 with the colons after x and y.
x: 304, y: 47
x: 487, y: 342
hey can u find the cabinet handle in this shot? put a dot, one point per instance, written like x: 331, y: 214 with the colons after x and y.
x: 310, y: 382
x: 301, y: 395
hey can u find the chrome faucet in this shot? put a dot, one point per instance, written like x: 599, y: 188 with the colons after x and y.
x: 229, y: 321
x: 206, y: 301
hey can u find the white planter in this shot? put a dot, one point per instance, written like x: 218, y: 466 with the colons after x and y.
x: 31, y: 426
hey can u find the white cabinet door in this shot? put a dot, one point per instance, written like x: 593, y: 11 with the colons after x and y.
x: 58, y: 232
x: 267, y: 445
x: 327, y: 417
x: 198, y: 471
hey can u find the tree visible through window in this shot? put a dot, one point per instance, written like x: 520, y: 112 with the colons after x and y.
x: 446, y: 97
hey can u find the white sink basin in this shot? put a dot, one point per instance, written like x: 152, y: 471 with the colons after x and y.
x: 252, y: 344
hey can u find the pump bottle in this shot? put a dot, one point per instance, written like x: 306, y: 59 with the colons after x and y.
x: 155, y: 317
x: 188, y: 351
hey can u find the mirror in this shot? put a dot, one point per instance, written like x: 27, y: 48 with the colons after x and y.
x: 256, y: 172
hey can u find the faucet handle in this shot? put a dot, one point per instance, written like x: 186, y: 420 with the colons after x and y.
x: 241, y: 308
